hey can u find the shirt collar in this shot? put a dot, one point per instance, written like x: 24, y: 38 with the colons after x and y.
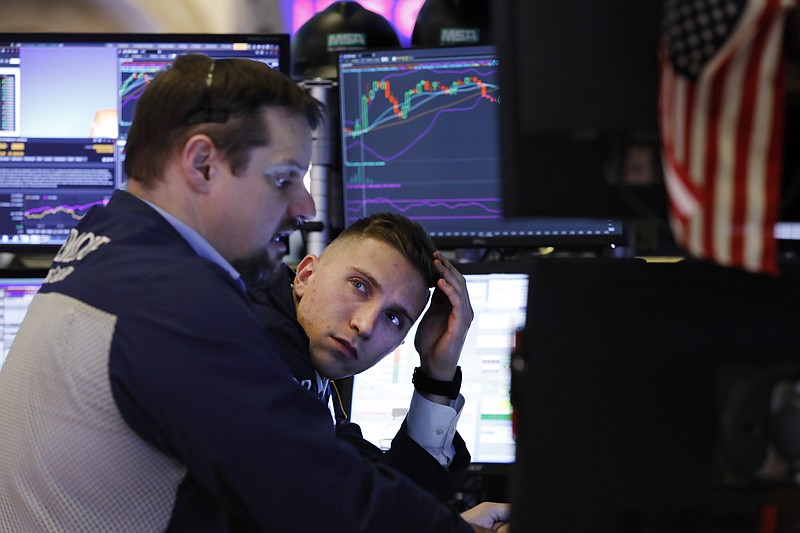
x: 199, y: 244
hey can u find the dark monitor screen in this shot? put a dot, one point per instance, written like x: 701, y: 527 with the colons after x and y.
x: 419, y: 131
x: 579, y: 116
x: 656, y: 397
x: 66, y: 103
x: 380, y: 396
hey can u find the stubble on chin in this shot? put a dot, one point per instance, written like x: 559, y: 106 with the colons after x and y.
x: 327, y: 365
x: 257, y: 270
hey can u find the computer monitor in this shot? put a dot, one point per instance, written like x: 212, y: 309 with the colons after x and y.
x: 66, y: 104
x: 419, y: 130
x: 380, y: 396
x: 578, y: 122
x: 17, y: 289
x: 657, y: 397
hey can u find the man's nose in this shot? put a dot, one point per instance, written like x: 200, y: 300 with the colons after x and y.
x: 302, y: 205
x: 363, y: 321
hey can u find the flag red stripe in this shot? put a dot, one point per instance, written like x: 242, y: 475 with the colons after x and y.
x: 711, y: 161
x: 690, y: 95
x: 774, y: 173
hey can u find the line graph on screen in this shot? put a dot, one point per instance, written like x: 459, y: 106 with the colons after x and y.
x: 412, y: 130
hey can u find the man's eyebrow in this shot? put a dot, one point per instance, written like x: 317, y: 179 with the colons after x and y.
x: 374, y: 282
x: 289, y: 167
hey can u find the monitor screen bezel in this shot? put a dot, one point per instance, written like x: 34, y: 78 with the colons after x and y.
x: 281, y: 40
x: 518, y: 231
x: 594, y: 144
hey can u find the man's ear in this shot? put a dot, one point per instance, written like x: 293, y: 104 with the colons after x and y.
x: 305, y: 269
x: 198, y: 156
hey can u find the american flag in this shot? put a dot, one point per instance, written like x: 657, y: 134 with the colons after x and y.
x: 721, y: 111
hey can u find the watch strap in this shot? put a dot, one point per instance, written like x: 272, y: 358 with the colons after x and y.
x: 426, y: 384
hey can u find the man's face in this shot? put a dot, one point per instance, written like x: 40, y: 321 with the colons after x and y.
x: 260, y: 206
x: 357, y: 303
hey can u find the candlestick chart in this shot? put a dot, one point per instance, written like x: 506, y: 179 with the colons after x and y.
x: 422, y: 142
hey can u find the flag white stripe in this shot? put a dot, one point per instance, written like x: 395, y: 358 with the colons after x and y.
x: 699, y: 125
x: 683, y: 199
x: 727, y: 137
x: 760, y: 142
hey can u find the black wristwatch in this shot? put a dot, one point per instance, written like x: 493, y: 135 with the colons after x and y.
x: 426, y: 384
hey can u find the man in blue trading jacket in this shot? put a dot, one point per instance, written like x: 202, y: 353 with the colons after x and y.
x: 346, y: 301
x: 141, y: 392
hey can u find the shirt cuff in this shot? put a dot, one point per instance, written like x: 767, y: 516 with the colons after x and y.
x: 433, y: 426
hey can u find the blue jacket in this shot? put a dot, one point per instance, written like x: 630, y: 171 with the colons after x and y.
x: 143, y: 394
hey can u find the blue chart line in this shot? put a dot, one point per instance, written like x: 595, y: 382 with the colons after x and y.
x: 423, y: 100
x: 134, y: 78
